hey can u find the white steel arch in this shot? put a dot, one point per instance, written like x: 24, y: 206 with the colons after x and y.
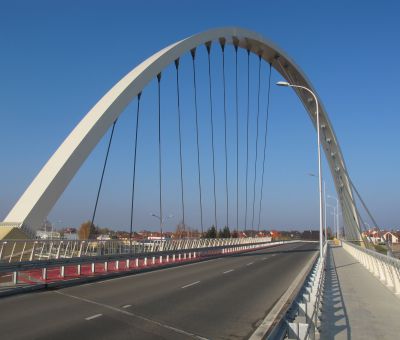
x: 41, y: 195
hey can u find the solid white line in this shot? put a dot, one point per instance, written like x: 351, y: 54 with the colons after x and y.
x: 126, y: 306
x: 249, y: 264
x: 228, y: 271
x: 191, y: 284
x: 93, y: 317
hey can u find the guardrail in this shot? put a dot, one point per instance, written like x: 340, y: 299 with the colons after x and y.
x: 296, y: 314
x: 36, y: 250
x: 383, y: 267
x: 40, y: 273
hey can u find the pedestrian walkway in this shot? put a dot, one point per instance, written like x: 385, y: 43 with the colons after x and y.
x: 356, y: 304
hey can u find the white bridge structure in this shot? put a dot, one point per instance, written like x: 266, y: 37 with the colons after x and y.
x: 345, y: 270
x: 36, y: 202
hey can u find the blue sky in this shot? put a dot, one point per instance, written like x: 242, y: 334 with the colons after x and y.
x: 59, y: 58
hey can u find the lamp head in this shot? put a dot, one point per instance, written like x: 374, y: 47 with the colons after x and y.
x: 282, y: 83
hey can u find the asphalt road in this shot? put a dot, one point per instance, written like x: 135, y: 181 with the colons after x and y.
x: 224, y: 298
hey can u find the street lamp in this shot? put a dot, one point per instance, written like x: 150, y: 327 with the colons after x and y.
x: 286, y: 84
x: 326, y: 235
x: 337, y: 214
x: 335, y: 219
x: 162, y: 220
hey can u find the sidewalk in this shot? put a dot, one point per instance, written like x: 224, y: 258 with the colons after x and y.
x: 356, y: 304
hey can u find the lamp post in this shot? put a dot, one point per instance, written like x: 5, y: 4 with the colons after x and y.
x: 162, y: 220
x: 335, y: 219
x: 337, y: 215
x: 286, y: 84
x: 326, y: 234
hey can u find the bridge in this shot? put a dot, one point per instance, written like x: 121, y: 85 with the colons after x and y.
x: 249, y: 285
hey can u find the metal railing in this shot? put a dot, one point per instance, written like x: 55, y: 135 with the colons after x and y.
x: 37, y: 273
x: 297, y: 314
x: 303, y: 318
x: 36, y: 250
x: 383, y: 267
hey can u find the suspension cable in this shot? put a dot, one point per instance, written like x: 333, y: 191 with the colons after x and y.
x: 208, y: 46
x: 102, y: 173
x: 193, y: 53
x: 222, y: 42
x: 237, y: 138
x: 247, y: 133
x: 180, y: 138
x: 265, y: 143
x: 258, y: 116
x: 159, y: 151
x: 134, y: 166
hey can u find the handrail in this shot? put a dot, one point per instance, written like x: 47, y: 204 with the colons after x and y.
x: 383, y: 267
x: 32, y: 250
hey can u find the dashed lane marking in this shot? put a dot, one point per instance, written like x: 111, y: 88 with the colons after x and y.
x: 134, y: 315
x: 93, y: 317
x: 191, y: 284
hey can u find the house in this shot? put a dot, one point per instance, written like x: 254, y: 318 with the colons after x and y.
x: 392, y: 237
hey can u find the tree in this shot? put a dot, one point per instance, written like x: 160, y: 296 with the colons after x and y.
x: 86, y: 231
x: 180, y: 231
x: 235, y: 234
x: 211, y: 233
x: 224, y: 233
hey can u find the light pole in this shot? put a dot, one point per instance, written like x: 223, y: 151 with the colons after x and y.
x: 284, y: 83
x: 335, y: 220
x: 337, y: 214
x: 326, y: 235
x: 162, y: 220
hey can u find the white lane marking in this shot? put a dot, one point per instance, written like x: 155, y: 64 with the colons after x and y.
x: 191, y: 284
x: 249, y: 264
x: 93, y: 317
x: 228, y: 271
x: 177, y: 330
x: 273, y: 254
x: 126, y: 306
x: 264, y: 258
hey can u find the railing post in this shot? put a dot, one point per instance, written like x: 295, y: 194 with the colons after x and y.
x: 44, y: 273
x: 15, y: 278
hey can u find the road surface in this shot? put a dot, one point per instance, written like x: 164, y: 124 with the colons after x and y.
x: 223, y: 298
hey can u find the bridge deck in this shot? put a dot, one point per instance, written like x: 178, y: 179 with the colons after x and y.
x: 357, y: 305
x: 218, y: 299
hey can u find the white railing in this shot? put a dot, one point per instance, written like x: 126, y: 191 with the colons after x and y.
x: 296, y: 315
x: 383, y: 267
x: 34, y: 250
x: 306, y: 321
x: 26, y: 275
